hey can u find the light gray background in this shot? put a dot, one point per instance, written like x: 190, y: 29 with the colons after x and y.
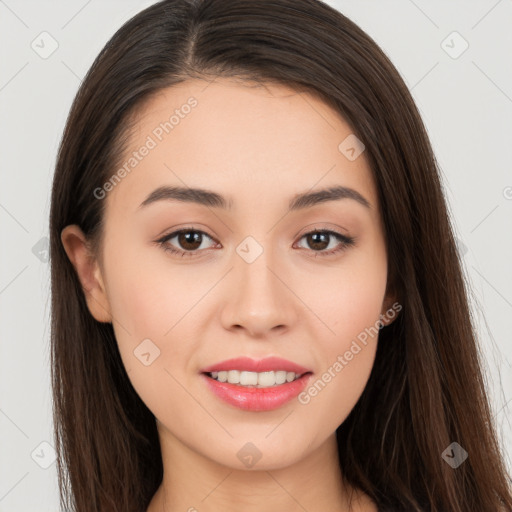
x: 466, y: 103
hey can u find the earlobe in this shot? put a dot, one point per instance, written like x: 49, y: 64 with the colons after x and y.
x: 89, y: 274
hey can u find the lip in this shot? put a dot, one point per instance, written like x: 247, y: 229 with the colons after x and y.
x: 257, y: 399
x: 268, y: 364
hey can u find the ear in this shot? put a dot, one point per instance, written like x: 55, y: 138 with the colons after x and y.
x: 391, y: 307
x: 87, y: 268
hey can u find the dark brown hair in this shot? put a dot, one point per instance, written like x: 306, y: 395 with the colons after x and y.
x: 426, y: 388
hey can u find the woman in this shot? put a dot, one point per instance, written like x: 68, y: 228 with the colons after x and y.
x: 257, y: 298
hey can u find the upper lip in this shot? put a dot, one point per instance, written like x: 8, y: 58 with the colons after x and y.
x: 267, y: 364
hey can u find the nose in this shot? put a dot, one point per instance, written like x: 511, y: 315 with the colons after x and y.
x: 261, y: 300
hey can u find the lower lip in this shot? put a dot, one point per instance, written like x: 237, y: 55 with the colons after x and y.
x: 257, y: 399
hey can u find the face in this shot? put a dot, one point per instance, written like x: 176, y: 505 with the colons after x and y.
x: 265, y: 275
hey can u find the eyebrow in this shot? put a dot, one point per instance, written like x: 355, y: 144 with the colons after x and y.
x: 213, y: 199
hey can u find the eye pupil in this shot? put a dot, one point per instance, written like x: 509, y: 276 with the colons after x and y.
x: 189, y: 237
x: 314, y: 237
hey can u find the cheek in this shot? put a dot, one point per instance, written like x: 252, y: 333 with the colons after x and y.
x: 332, y: 394
x: 151, y: 295
x: 162, y: 307
x: 347, y: 349
x: 348, y: 296
x: 152, y: 349
x: 347, y: 360
x: 150, y: 305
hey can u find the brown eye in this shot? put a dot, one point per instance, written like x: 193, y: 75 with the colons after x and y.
x: 188, y: 241
x: 320, y: 240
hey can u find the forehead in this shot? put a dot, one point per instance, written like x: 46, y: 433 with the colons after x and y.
x: 253, y: 142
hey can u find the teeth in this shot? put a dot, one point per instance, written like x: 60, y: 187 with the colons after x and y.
x: 246, y: 378
x: 254, y: 379
x: 234, y: 377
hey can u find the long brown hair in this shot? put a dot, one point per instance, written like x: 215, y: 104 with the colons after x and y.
x: 426, y: 388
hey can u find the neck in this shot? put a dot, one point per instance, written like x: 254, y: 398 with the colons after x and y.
x: 194, y: 483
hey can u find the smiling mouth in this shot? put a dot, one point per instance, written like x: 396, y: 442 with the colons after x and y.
x: 246, y: 379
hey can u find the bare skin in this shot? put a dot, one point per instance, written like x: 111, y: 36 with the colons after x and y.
x: 259, y: 147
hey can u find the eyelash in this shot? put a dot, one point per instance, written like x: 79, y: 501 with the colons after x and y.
x: 345, y: 242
